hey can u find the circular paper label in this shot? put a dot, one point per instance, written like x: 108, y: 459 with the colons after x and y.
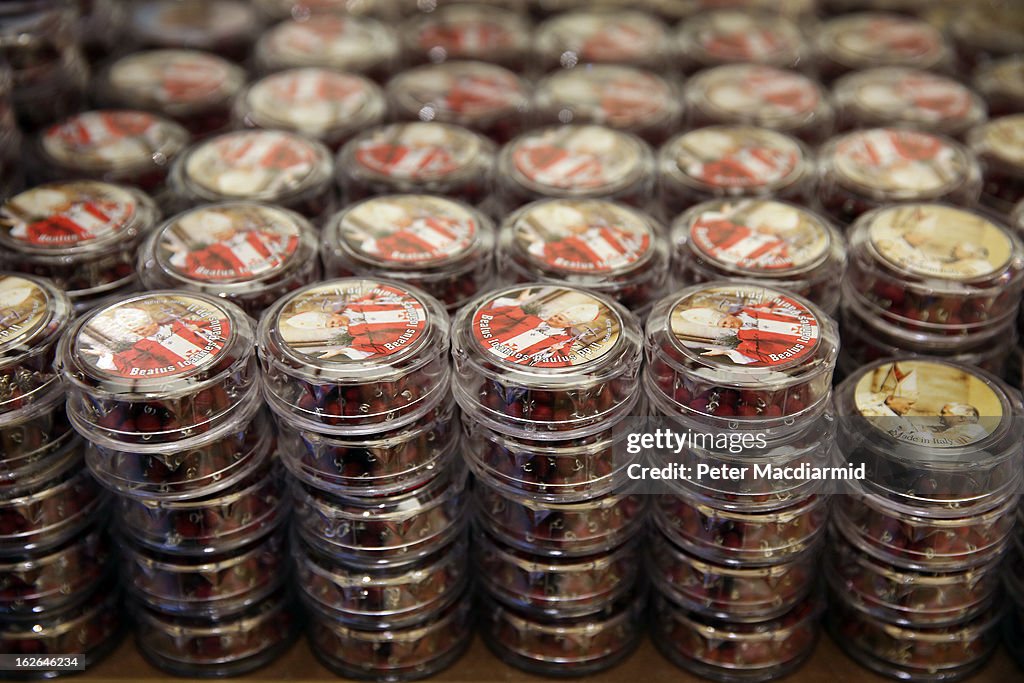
x: 309, y: 99
x: 546, y: 327
x: 603, y: 36
x: 408, y: 230
x: 885, y: 37
x: 226, y: 244
x: 112, y: 139
x: 614, y: 96
x: 576, y: 158
x: 417, y: 151
x: 759, y: 236
x: 929, y: 404
x: 468, y: 89
x: 65, y: 215
x: 587, y: 236
x: 769, y: 94
x: 465, y: 31
x: 931, y: 240
x: 732, y: 36
x: 1004, y: 138
x: 351, y: 321
x: 899, y: 160
x: 737, y: 157
x: 175, y: 77
x: 155, y: 336
x: 912, y: 95
x: 341, y: 42
x: 252, y: 163
x: 745, y: 326
x: 24, y: 310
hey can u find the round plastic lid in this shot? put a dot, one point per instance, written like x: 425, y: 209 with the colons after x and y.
x: 755, y: 92
x: 174, y: 80
x: 468, y: 31
x: 349, y: 43
x: 758, y: 237
x: 601, y: 36
x: 406, y: 231
x: 470, y: 90
x: 30, y: 310
x: 935, y: 241
x: 586, y: 237
x: 911, y: 95
x: 113, y: 139
x: 735, y: 158
x: 879, y: 37
x: 203, y: 24
x: 229, y: 244
x: 575, y: 159
x: 415, y: 151
x: 1002, y: 138
x: 255, y: 164
x: 610, y: 95
x: 741, y: 36
x: 899, y: 162
x: 73, y: 217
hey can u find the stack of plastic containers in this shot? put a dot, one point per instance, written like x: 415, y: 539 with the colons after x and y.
x: 915, y: 560
x: 357, y: 374
x: 1013, y: 580
x: 165, y: 387
x: 547, y: 377
x: 931, y: 279
x: 999, y: 146
x: 57, y: 595
x: 733, y: 554
x: 83, y: 235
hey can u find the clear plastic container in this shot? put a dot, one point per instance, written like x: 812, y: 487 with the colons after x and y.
x: 602, y: 36
x: 775, y: 243
x: 759, y: 95
x: 216, y: 647
x: 34, y: 432
x: 935, y: 268
x: 91, y: 628
x: 483, y: 97
x: 225, y: 521
x: 272, y: 166
x: 594, y: 244
x: 417, y: 158
x: 865, y: 40
x: 565, y: 646
x: 247, y: 253
x: 226, y: 27
x: 738, y: 353
x: 353, y: 357
x: 1001, y: 83
x: 191, y: 87
x: 112, y: 145
x: 161, y: 366
x: 731, y: 593
x: 575, y: 161
x: 999, y: 146
x: 382, y: 463
x: 384, y: 530
x: 190, y: 469
x: 875, y: 167
x: 921, y: 655
x: 742, y: 539
x: 82, y: 235
x: 911, y: 540
x: 982, y: 32
x: 52, y: 514
x: 444, y: 247
x: 401, y: 654
x: 356, y: 44
x: 554, y: 471
x: 382, y: 598
x: 35, y: 314
x: 574, y: 530
x: 555, y: 587
x: 741, y: 33
x: 320, y: 103
x: 27, y: 471
x: 898, y: 96
x: 545, y: 362
x: 732, y: 161
x: 495, y: 33
x: 621, y: 97
x: 42, y: 583
x: 214, y: 585
x: 908, y: 598
x: 736, y: 652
